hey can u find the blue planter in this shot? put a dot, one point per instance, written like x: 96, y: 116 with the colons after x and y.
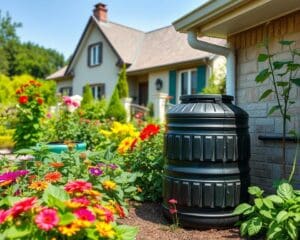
x: 61, y: 147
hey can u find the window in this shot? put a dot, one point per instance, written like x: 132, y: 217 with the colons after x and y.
x: 98, y: 91
x: 95, y: 54
x: 66, y: 91
x: 188, y: 82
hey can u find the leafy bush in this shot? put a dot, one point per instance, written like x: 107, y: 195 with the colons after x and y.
x: 94, y: 111
x: 87, y: 97
x: 277, y: 216
x: 115, y: 108
x: 122, y: 83
x: 29, y: 113
x: 215, y: 86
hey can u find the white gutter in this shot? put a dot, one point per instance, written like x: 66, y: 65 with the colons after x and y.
x: 194, y: 42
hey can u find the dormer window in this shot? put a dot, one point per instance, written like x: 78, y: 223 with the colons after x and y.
x: 95, y: 54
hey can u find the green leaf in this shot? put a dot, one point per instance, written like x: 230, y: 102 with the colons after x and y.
x: 57, y: 192
x: 296, y: 81
x: 125, y: 232
x: 130, y: 189
x: 262, y: 76
x: 265, y: 94
x: 262, y: 57
x: 282, y: 84
x: 292, y: 230
x: 282, y: 216
x: 66, y: 218
x: 249, y: 211
x: 285, y: 191
x: 244, y: 228
x: 256, y: 191
x: 286, y: 42
x: 297, y: 192
x: 258, y: 203
x: 16, y: 233
x: 241, y: 208
x: 275, y: 199
x: 273, y: 109
x: 273, y: 230
x: 254, y: 226
x: 278, y: 65
x: 266, y: 214
x: 267, y: 202
x: 293, y: 66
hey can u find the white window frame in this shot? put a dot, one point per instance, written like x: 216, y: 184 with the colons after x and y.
x: 94, y: 51
x: 94, y: 88
x: 178, y: 82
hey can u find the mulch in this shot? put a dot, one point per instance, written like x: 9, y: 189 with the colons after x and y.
x: 152, y: 225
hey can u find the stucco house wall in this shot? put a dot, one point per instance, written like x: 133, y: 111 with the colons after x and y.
x: 266, y: 158
x: 63, y: 83
x: 106, y: 72
x: 152, y: 92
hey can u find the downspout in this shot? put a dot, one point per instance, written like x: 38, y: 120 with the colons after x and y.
x: 194, y: 42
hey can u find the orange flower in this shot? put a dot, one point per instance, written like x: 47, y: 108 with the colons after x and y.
x: 53, y: 176
x: 38, y: 185
x: 56, y: 164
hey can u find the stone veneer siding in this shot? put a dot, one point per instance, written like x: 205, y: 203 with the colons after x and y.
x: 266, y: 155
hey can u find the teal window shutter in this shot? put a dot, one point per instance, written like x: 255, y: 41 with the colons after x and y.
x: 172, y: 86
x: 201, y: 77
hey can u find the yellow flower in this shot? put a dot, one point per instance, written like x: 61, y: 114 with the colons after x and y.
x: 126, y: 144
x: 69, y: 229
x: 38, y: 185
x: 106, y: 133
x: 71, y: 204
x: 82, y: 223
x: 92, y: 193
x: 109, y: 185
x: 105, y: 230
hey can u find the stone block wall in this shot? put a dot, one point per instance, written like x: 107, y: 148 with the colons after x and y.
x: 265, y: 160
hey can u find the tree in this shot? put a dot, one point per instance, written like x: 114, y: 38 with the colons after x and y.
x: 87, y: 96
x: 115, y: 108
x: 122, y: 83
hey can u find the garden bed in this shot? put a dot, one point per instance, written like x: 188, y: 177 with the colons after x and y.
x: 152, y: 225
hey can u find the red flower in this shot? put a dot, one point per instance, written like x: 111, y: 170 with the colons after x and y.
x: 23, y: 99
x: 53, y: 176
x: 173, y: 210
x: 120, y: 210
x: 19, y: 91
x: 148, y: 131
x: 172, y: 201
x: 133, y: 144
x: 78, y: 186
x: 22, y: 206
x: 40, y: 101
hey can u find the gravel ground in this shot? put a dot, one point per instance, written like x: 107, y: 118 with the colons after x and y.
x: 153, y: 226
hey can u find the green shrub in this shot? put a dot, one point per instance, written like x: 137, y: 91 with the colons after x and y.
x: 122, y: 83
x: 277, y: 216
x: 94, y: 111
x: 215, y: 86
x: 88, y: 98
x: 115, y: 108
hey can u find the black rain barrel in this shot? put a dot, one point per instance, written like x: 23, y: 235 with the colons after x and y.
x: 207, y: 149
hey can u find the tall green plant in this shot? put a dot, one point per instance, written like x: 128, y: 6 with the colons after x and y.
x: 115, y: 108
x: 122, y: 83
x: 283, y: 75
x: 87, y: 96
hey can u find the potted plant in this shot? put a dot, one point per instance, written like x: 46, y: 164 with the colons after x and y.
x: 61, y: 129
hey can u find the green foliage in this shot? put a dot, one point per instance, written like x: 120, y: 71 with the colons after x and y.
x: 215, y: 86
x: 18, y: 58
x: 283, y: 77
x: 115, y: 108
x: 29, y: 112
x: 277, y: 216
x: 122, y: 83
x: 94, y: 111
x: 147, y: 161
x: 88, y: 98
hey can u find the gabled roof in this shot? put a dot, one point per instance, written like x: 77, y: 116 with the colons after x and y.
x: 143, y: 50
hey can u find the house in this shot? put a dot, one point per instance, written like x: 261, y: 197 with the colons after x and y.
x: 244, y: 24
x: 159, y: 61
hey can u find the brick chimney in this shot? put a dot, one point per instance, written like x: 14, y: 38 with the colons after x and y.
x: 100, y: 12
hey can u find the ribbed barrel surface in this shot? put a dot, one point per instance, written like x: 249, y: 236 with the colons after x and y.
x: 207, y: 147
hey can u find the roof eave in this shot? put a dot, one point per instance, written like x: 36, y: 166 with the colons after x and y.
x: 204, y: 13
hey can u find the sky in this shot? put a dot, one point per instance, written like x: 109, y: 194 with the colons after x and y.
x: 58, y: 24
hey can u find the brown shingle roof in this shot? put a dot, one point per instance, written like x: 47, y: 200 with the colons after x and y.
x: 161, y: 47
x: 59, y: 73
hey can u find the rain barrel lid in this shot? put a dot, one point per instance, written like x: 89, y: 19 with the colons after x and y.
x: 206, y: 106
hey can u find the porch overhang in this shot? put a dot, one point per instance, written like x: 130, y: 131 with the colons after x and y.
x: 223, y: 18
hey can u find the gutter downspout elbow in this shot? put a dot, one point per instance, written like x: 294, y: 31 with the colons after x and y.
x: 194, y: 42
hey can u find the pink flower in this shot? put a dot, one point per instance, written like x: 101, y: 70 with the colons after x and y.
x: 173, y: 210
x: 67, y: 100
x: 12, y: 176
x: 85, y: 214
x: 172, y: 201
x: 22, y: 206
x: 82, y: 200
x: 3, y: 216
x: 78, y: 186
x: 47, y: 219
